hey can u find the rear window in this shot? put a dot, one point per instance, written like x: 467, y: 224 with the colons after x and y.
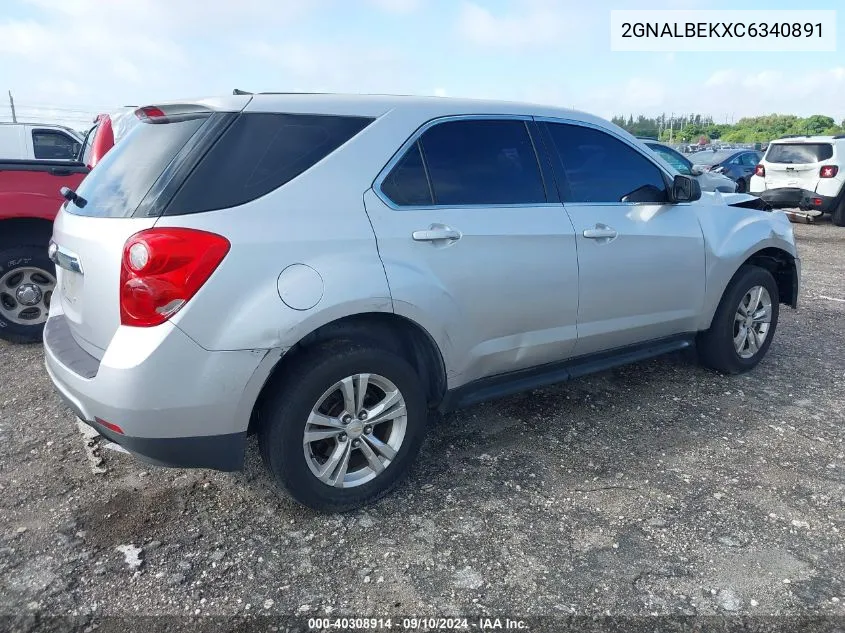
x: 119, y: 182
x: 797, y: 153
x: 258, y: 153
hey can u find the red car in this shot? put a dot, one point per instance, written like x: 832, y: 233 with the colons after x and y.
x: 30, y: 197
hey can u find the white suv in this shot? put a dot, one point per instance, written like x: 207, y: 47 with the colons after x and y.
x: 807, y: 172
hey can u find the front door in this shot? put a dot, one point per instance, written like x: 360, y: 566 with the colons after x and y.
x: 474, y: 249
x: 641, y: 260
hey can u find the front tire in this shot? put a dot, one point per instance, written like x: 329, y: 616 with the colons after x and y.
x: 744, y: 324
x: 344, y: 427
x: 27, y: 282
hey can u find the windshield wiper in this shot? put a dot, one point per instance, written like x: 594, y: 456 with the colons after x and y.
x: 71, y: 196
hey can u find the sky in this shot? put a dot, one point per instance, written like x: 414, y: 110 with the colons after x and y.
x: 66, y: 60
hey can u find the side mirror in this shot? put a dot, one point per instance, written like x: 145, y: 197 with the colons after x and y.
x: 696, y: 170
x: 685, y: 189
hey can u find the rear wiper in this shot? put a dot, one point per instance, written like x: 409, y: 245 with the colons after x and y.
x: 71, y: 196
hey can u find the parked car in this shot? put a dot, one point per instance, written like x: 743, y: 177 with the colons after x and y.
x: 29, y: 201
x: 807, y: 172
x: 708, y: 180
x: 326, y: 270
x: 736, y: 164
x: 38, y: 141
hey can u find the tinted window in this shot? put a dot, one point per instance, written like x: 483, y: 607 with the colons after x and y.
x: 406, y: 184
x: 601, y: 168
x: 482, y: 162
x: 709, y: 157
x: 260, y: 152
x: 799, y: 152
x: 672, y: 157
x: 50, y: 145
x: 116, y: 186
x: 749, y: 159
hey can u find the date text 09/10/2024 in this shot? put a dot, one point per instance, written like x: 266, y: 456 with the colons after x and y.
x: 426, y: 624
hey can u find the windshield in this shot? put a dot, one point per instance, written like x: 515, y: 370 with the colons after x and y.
x: 119, y: 182
x: 790, y: 153
x: 709, y: 157
x: 672, y: 157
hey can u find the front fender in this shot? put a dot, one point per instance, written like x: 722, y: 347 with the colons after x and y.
x: 732, y: 235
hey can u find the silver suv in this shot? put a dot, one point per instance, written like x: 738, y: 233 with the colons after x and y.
x: 326, y: 271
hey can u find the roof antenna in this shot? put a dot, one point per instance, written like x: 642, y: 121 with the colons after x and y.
x: 240, y: 92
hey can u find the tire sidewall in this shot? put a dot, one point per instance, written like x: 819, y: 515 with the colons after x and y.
x: 282, y: 431
x: 19, y: 257
x: 747, y: 279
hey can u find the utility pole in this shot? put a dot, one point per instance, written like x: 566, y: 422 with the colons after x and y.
x: 12, y: 105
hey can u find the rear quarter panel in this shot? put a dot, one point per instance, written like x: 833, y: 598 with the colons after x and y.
x: 731, y: 236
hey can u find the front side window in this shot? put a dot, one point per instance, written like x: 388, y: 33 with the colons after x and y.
x: 749, y: 159
x: 601, y: 168
x: 51, y: 145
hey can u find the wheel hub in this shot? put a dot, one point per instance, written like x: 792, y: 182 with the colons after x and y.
x: 28, y: 294
x: 355, y: 429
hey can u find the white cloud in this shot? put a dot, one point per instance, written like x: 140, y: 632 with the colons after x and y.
x: 533, y: 23
x: 397, y: 6
x: 321, y: 66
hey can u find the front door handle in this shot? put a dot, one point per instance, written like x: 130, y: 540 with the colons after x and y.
x: 437, y: 233
x: 601, y: 232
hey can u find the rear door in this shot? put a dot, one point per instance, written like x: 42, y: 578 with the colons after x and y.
x: 795, y: 164
x: 120, y: 199
x: 476, y: 246
x: 640, y: 259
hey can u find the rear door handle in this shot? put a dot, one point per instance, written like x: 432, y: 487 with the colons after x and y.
x: 601, y: 232
x: 437, y: 233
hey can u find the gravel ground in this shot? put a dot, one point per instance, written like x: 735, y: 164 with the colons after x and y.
x: 658, y: 488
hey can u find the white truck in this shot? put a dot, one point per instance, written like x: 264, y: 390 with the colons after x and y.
x: 38, y: 141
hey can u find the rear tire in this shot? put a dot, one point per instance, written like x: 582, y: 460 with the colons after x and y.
x: 741, y: 186
x: 27, y: 281
x: 732, y: 345
x: 839, y: 213
x: 313, y: 390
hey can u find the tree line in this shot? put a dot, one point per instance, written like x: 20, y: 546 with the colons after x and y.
x: 758, y: 129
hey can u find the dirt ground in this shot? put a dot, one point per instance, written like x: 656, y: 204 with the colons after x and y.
x: 656, y: 489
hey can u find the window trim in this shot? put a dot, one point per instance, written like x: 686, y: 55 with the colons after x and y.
x: 417, y: 135
x: 668, y: 177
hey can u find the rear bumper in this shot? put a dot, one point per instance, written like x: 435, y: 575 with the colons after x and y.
x: 176, y: 403
x: 793, y: 197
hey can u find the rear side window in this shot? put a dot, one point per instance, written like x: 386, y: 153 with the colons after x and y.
x: 407, y: 184
x: 601, y: 168
x: 258, y: 153
x: 50, y: 145
x: 482, y: 162
x: 119, y: 182
x: 797, y: 153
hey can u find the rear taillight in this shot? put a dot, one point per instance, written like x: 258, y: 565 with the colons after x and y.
x: 760, y: 170
x: 162, y: 269
x: 829, y: 171
x: 149, y: 113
